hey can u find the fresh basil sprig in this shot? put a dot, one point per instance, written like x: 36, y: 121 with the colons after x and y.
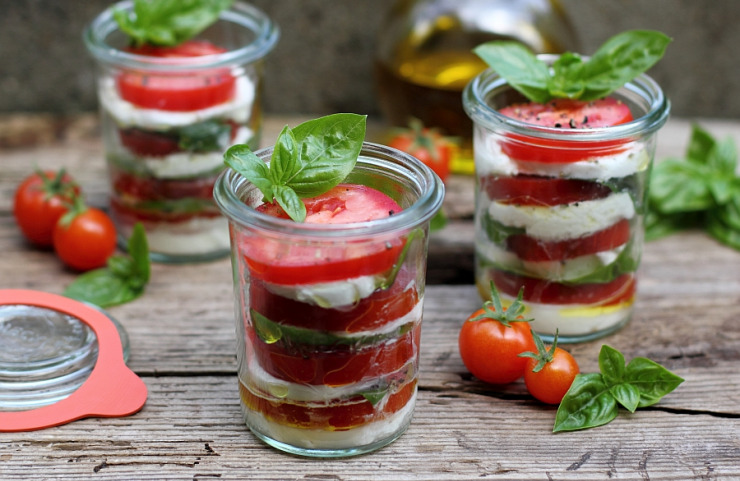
x: 619, y: 60
x: 307, y: 160
x: 168, y: 22
x: 121, y: 281
x: 702, y: 190
x: 594, y: 398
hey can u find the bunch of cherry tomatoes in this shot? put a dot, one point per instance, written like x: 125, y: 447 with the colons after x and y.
x: 51, y: 213
x: 497, y: 346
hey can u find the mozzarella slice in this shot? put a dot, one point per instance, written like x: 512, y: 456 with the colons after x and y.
x: 567, y: 221
x: 490, y: 159
x: 127, y: 114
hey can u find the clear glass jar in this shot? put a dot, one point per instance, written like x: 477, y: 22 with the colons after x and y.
x: 424, y: 56
x: 328, y: 363
x: 576, y: 256
x: 166, y: 122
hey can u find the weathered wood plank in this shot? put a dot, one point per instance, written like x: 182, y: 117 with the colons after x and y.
x: 191, y: 427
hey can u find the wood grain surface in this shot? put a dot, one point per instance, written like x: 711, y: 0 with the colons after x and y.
x: 181, y: 332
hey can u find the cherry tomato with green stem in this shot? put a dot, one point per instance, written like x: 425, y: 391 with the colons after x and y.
x: 40, y: 201
x: 426, y: 144
x: 492, y: 338
x: 85, y: 237
x: 549, y: 373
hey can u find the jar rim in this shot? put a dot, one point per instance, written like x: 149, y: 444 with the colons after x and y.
x: 251, y: 18
x: 488, y: 82
x: 430, y: 186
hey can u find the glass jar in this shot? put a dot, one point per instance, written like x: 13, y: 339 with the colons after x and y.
x: 328, y: 363
x: 424, y: 56
x: 166, y: 122
x: 573, y: 239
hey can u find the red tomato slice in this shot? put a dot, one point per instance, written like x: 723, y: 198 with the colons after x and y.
x: 148, y: 144
x: 289, y: 263
x: 531, y: 249
x: 177, y: 92
x: 569, y: 115
x: 129, y: 214
x: 545, y: 191
x: 548, y: 292
x: 152, y: 188
x: 336, y: 365
x: 335, y: 414
x: 370, y: 313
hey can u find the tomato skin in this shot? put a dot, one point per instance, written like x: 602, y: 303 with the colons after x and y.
x: 427, y: 145
x: 490, y: 350
x: 177, y: 92
x: 279, y: 261
x: 572, y: 116
x: 550, y: 383
x: 550, y: 292
x: 87, y: 241
x: 37, y: 211
x: 526, y: 189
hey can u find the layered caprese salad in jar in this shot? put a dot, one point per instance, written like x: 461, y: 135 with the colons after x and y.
x: 174, y: 96
x: 329, y: 240
x: 563, y: 150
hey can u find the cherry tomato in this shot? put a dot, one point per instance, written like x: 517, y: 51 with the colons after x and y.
x: 549, y: 292
x: 281, y: 262
x: 178, y: 92
x: 86, y: 241
x: 491, y: 340
x: 566, y: 114
x: 543, y: 191
x: 549, y: 372
x: 426, y: 144
x: 40, y: 201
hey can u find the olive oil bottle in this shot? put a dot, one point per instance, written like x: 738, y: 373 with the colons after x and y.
x: 424, y: 56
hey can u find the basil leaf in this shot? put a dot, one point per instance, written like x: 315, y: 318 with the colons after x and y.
x: 519, y: 66
x: 566, y: 77
x: 700, y: 143
x: 284, y: 163
x: 620, y: 59
x: 677, y: 186
x: 206, y: 136
x: 724, y: 233
x: 374, y: 396
x: 611, y: 364
x: 121, y: 281
x: 588, y: 403
x: 329, y: 148
x: 627, y: 395
x: 651, y: 379
x: 245, y: 162
x: 168, y: 22
x: 290, y: 202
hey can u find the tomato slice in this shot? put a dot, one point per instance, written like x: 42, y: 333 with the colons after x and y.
x: 177, y: 92
x: 531, y: 249
x: 548, y: 292
x: 337, y: 365
x: 152, y: 188
x: 332, y: 415
x: 570, y: 115
x: 148, y: 144
x: 372, y: 312
x: 287, y: 262
x: 536, y: 190
x: 131, y: 213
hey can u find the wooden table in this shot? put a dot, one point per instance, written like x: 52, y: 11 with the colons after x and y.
x: 687, y: 317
